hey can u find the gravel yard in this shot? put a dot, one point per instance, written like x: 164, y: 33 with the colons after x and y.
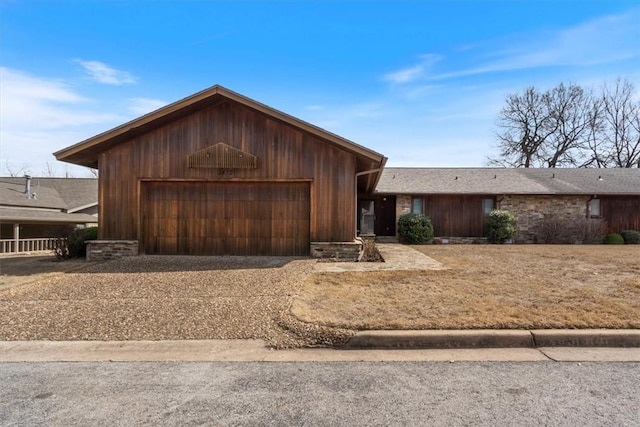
x: 163, y: 297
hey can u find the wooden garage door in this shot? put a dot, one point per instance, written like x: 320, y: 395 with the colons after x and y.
x: 230, y: 218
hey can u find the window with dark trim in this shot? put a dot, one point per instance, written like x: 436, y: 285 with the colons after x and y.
x: 594, y: 208
x: 416, y: 205
x: 488, y: 205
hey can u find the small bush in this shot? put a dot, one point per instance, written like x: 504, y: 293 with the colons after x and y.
x: 551, y: 229
x: 501, y: 226
x: 370, y: 252
x: 415, y: 228
x: 74, y: 245
x: 631, y: 237
x: 591, y: 230
x: 614, y: 239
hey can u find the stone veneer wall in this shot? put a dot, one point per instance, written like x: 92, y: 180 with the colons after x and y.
x: 403, y: 206
x: 102, y: 250
x: 337, y: 251
x: 530, y: 210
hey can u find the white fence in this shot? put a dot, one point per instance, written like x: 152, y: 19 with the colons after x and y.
x: 12, y: 246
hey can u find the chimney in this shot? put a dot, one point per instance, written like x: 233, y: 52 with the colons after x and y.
x: 27, y: 186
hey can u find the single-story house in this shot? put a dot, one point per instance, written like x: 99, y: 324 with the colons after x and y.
x: 219, y: 173
x: 458, y: 200
x: 35, y: 210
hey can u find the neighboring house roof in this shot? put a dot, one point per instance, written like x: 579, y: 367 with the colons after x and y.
x: 497, y: 181
x: 12, y: 194
x: 85, y: 153
x: 76, y: 193
x: 8, y: 214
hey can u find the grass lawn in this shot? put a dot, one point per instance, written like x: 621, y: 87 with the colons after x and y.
x: 485, y: 286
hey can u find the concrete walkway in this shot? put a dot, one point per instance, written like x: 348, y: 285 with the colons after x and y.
x: 396, y: 257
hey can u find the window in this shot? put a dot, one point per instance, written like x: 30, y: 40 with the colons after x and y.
x: 367, y: 217
x: 416, y: 206
x: 594, y: 208
x: 487, y: 206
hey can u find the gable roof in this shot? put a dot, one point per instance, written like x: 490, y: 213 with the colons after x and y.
x: 85, y: 153
x: 496, y: 181
x: 70, y: 194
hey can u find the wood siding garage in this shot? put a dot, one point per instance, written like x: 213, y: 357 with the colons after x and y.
x: 225, y: 218
x: 218, y: 173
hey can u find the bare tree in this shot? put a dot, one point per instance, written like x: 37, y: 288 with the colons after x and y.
x: 571, y: 110
x: 15, y: 170
x: 49, y: 170
x: 621, y: 126
x: 525, y: 125
x: 92, y: 172
x: 568, y: 126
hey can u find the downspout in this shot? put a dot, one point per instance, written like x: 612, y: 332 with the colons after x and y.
x: 359, y: 174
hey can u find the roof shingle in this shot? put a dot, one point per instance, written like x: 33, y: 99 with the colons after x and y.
x: 509, y: 181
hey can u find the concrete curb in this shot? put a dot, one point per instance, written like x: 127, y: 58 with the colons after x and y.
x: 586, y: 337
x: 488, y: 338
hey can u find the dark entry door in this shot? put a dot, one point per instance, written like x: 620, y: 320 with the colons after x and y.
x: 385, y: 208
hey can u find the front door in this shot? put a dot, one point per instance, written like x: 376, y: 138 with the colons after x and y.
x: 385, y: 209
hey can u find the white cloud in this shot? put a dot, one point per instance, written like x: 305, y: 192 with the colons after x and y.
x: 336, y: 117
x: 413, y: 73
x: 600, y: 41
x: 405, y: 75
x: 102, y: 73
x: 140, y: 106
x: 35, y: 103
x: 42, y: 115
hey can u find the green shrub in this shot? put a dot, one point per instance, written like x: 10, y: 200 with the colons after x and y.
x: 614, y: 239
x: 74, y: 245
x: 631, y: 237
x: 501, y: 226
x: 415, y: 228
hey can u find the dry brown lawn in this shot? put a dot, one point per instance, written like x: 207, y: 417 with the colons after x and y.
x: 485, y: 286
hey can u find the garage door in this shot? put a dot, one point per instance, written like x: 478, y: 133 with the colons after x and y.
x: 230, y: 218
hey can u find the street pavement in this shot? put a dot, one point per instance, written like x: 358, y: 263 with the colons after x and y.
x: 320, y: 393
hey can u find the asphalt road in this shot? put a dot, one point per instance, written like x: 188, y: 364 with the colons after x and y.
x: 338, y: 393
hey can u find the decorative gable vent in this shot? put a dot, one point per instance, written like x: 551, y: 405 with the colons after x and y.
x: 222, y: 156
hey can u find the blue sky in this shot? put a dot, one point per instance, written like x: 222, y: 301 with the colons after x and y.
x: 419, y: 81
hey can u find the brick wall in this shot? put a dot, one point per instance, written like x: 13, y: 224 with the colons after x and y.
x: 531, y: 210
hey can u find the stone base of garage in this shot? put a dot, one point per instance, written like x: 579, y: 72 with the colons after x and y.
x: 337, y: 251
x: 102, y: 250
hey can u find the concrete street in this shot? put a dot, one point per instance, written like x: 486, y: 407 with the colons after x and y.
x: 320, y: 393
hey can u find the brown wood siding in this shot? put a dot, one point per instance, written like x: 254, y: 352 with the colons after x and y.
x: 455, y: 216
x: 218, y: 218
x: 621, y: 212
x: 284, y: 153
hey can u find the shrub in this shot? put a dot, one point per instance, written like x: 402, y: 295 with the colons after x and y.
x: 631, y: 237
x: 591, y: 230
x: 551, y: 229
x: 415, y: 228
x: 74, y: 245
x: 370, y: 252
x: 501, y: 226
x: 614, y: 239
x: 554, y: 229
